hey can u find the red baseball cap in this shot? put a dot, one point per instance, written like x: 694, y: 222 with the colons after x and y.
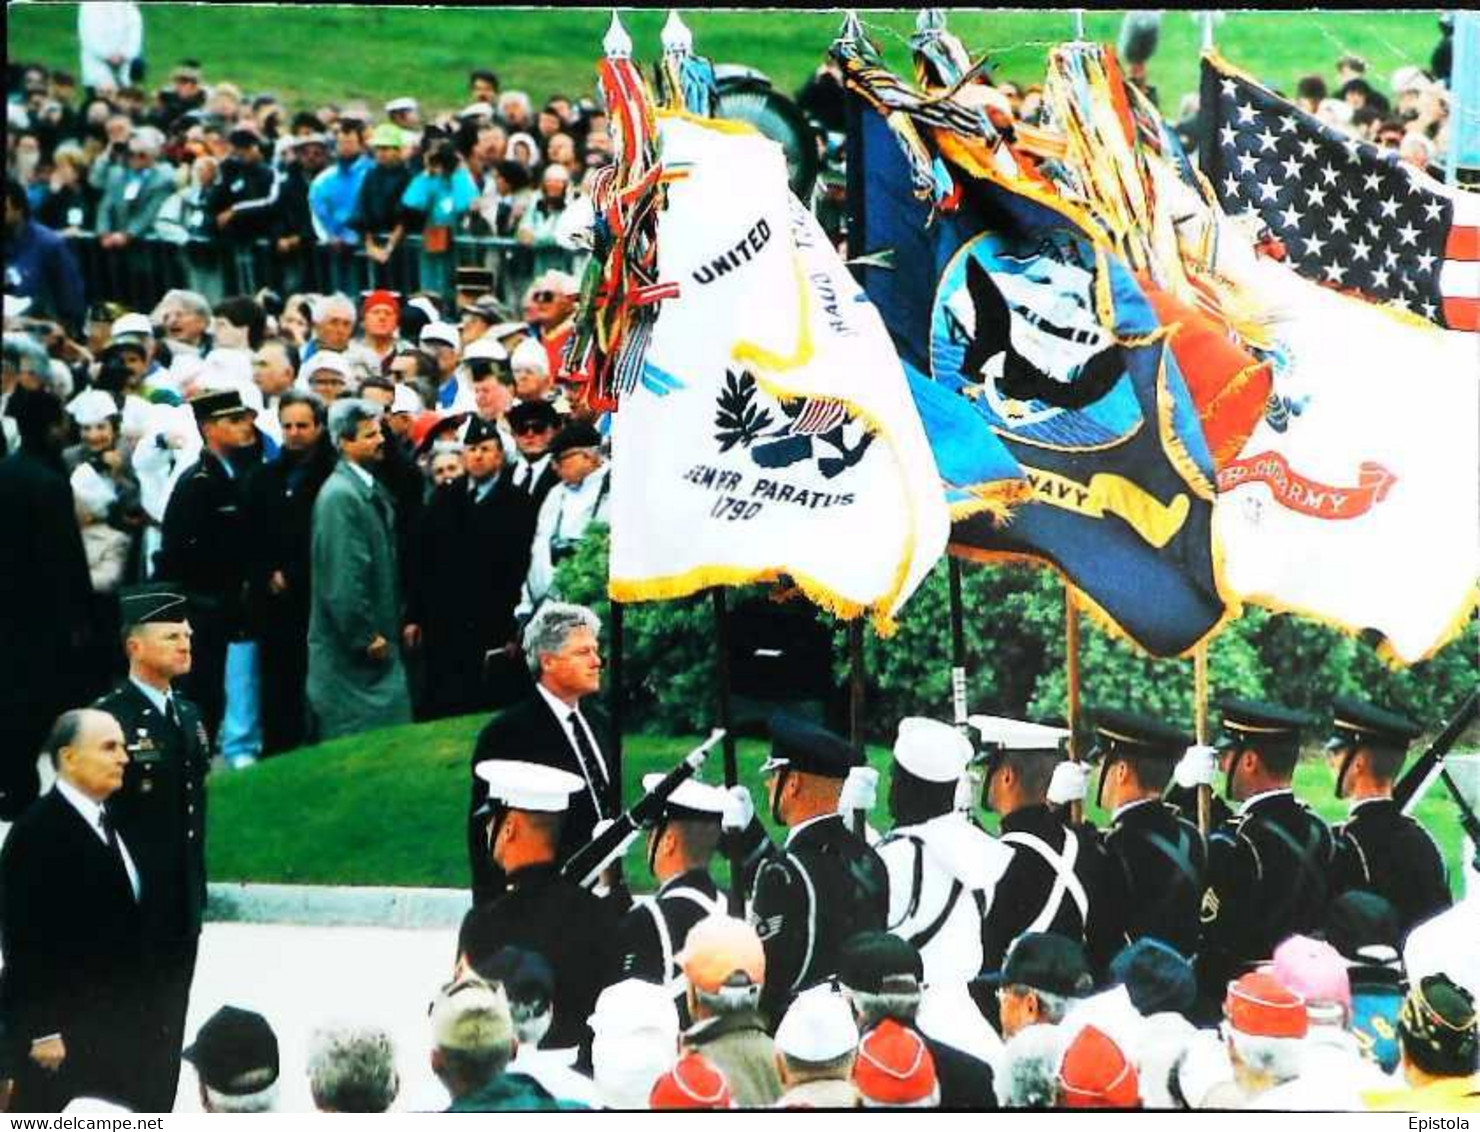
x: 1096, y: 1074
x: 383, y: 299
x: 695, y: 1082
x: 1261, y: 1006
x: 894, y: 1069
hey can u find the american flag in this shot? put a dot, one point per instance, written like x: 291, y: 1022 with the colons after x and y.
x: 1350, y: 215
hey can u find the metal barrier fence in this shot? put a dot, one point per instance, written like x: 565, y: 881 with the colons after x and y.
x: 139, y: 275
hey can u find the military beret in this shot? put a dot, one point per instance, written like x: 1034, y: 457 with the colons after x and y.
x: 574, y: 436
x: 1355, y: 723
x: 1128, y: 733
x: 479, y: 430
x: 797, y: 744
x: 1255, y: 723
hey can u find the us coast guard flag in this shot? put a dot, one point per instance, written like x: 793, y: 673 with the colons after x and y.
x: 1355, y: 499
x: 772, y: 432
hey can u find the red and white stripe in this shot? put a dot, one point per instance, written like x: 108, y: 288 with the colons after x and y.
x: 1459, y: 272
x: 818, y: 417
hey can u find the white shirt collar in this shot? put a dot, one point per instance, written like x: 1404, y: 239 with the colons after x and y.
x: 365, y: 477
x: 561, y: 709
x: 153, y: 695
x: 1247, y: 802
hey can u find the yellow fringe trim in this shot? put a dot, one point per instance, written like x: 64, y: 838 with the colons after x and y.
x: 718, y: 125
x: 1181, y: 459
x: 998, y: 500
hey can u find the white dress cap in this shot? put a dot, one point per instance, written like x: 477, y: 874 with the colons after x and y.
x: 690, y: 795
x: 931, y: 750
x: 528, y: 786
x: 1017, y: 734
x: 818, y: 1027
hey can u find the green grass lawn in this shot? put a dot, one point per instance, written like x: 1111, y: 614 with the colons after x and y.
x: 312, y: 54
x: 390, y: 807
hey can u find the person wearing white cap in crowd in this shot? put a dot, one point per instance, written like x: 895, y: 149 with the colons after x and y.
x: 404, y: 112
x: 634, y: 1041
x: 169, y: 445
x: 104, y: 488
x: 532, y: 378
x: 942, y: 867
x: 816, y: 1045
x: 443, y: 341
x: 680, y: 844
x: 541, y: 910
x: 406, y: 406
x: 485, y: 370
x: 329, y: 375
x: 131, y: 338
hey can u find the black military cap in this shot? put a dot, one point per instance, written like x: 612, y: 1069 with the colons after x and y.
x: 219, y: 403
x: 573, y: 436
x: 235, y: 1052
x: 797, y: 744
x: 1045, y: 961
x: 532, y: 412
x: 1127, y: 733
x: 526, y: 977
x: 867, y: 961
x: 151, y: 604
x: 1364, y: 927
x: 480, y: 430
x: 1358, y: 724
x: 1252, y: 723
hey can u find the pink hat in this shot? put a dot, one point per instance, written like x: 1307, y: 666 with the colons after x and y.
x: 1312, y: 969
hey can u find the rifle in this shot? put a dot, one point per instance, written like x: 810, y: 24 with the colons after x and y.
x: 586, y: 864
x: 1413, y: 785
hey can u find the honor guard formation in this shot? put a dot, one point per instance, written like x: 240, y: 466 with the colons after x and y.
x: 297, y: 448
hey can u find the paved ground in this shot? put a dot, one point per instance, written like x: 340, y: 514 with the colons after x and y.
x: 300, y: 978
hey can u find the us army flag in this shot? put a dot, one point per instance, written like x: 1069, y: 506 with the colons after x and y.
x: 771, y: 433
x: 1355, y: 499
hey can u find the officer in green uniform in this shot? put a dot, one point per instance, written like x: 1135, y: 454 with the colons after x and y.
x: 161, y: 815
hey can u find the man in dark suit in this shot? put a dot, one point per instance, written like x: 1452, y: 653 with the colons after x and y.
x: 161, y: 811
x: 43, y: 575
x: 534, y: 425
x: 471, y: 555
x: 205, y: 550
x: 280, y: 499
x: 554, y: 728
x: 70, y: 930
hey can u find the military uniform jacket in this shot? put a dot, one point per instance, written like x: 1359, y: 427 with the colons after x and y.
x: 1155, y: 879
x: 653, y: 932
x: 1384, y: 851
x: 1267, y: 881
x: 161, y: 809
x: 942, y: 876
x: 206, y: 541
x: 826, y: 885
x: 1054, y: 883
x: 574, y: 930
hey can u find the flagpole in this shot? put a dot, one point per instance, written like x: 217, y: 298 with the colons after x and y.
x: 855, y: 701
x: 1079, y: 25
x: 1200, y: 719
x: 1071, y: 663
x: 727, y: 721
x: 958, y: 646
x: 1207, y: 30
x: 614, y: 699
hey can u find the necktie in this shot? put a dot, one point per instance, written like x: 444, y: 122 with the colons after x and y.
x: 169, y: 711
x: 590, y: 762
x: 105, y: 823
x: 522, y: 480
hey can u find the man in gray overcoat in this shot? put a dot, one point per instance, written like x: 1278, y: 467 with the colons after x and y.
x: 356, y: 681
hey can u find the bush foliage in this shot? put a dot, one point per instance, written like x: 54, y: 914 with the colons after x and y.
x: 1015, y: 642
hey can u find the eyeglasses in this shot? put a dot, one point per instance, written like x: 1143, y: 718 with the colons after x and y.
x: 543, y: 296
x: 533, y: 426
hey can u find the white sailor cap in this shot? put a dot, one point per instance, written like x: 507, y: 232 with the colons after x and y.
x: 476, y: 110
x: 92, y: 406
x: 692, y: 801
x: 398, y: 105
x: 818, y: 1027
x: 406, y: 400
x: 489, y: 349
x: 1016, y: 734
x: 931, y: 750
x: 127, y: 327
x: 330, y: 360
x: 443, y: 332
x: 528, y: 786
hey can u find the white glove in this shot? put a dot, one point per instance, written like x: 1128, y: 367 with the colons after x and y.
x: 739, y: 810
x: 860, y: 790
x: 1197, y: 767
x: 1070, y: 783
x: 968, y: 789
x: 601, y: 826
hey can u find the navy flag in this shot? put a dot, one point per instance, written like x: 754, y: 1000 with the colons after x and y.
x: 1026, y: 334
